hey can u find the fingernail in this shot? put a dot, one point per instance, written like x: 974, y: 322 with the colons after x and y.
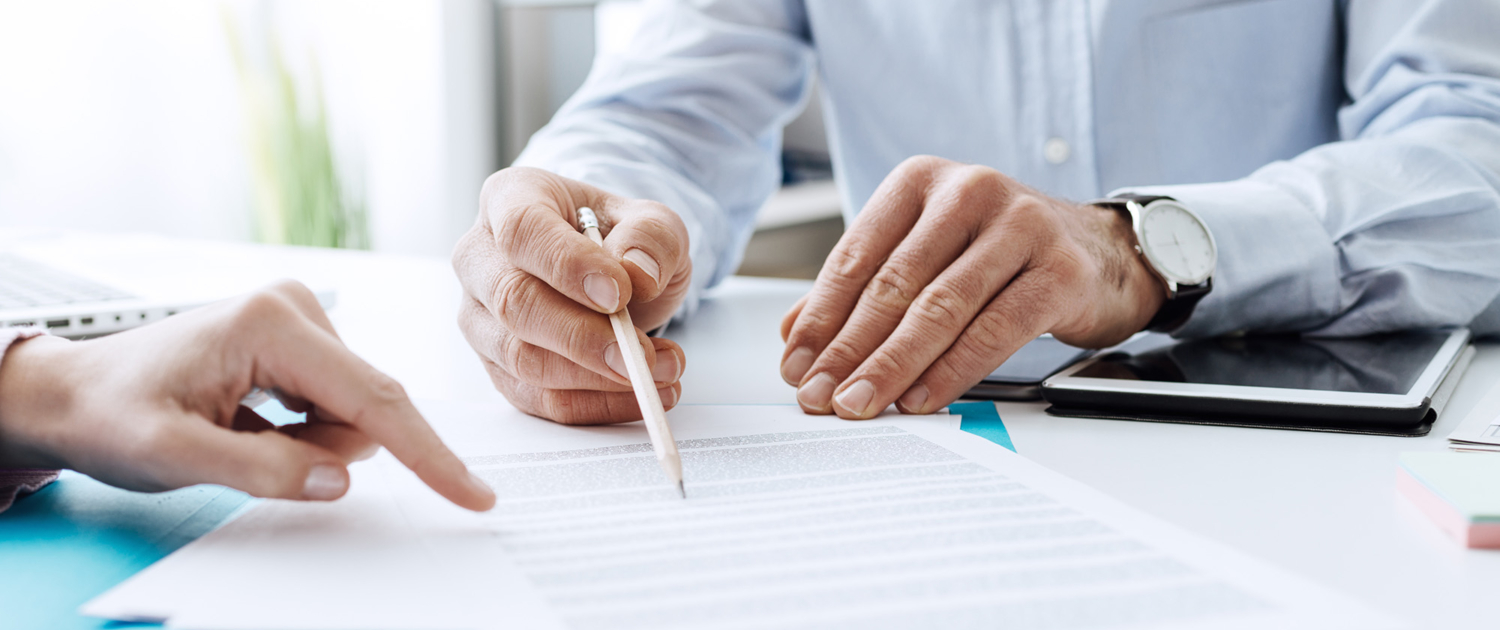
x: 668, y: 396
x: 646, y: 263
x: 914, y: 398
x: 615, y: 360
x: 796, y: 365
x: 667, y: 369
x: 857, y: 397
x: 815, y: 394
x: 324, y: 483
x: 603, y: 291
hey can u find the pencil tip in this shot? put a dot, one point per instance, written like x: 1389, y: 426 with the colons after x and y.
x: 681, y: 490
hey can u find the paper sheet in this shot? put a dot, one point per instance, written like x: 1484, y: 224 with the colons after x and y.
x: 795, y: 521
x: 1480, y: 430
x: 791, y: 521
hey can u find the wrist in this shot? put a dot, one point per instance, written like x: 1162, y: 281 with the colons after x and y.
x: 1144, y: 292
x: 35, y: 392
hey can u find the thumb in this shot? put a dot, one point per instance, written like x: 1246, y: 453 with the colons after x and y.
x: 652, y: 243
x: 265, y: 464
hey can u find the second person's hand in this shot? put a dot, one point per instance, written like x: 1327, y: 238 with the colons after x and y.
x: 537, y: 293
x: 158, y: 407
x: 949, y: 270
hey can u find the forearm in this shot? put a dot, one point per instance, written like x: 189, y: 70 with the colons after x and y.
x: 1396, y: 225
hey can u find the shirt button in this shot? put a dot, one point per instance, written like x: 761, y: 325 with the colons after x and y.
x: 1056, y: 151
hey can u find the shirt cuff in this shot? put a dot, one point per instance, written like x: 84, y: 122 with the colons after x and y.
x: 14, y: 483
x: 1278, y: 269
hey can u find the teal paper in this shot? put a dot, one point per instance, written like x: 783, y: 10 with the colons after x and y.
x: 981, y: 419
x: 78, y: 537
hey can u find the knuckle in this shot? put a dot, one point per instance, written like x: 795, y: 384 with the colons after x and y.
x: 577, y: 338
x: 385, y: 391
x: 988, y: 338
x: 810, y: 330
x: 494, y: 182
x: 298, y: 294
x: 884, y: 364
x: 948, y: 373
x: 512, y: 295
x: 971, y: 191
x: 261, y: 307
x: 892, y: 287
x: 1030, y: 211
x: 519, y: 229
x: 921, y: 164
x: 525, y: 361
x: 840, y: 357
x: 842, y: 262
x: 942, y: 307
x: 568, y: 406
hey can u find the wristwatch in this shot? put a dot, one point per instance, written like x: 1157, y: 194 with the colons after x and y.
x: 1176, y: 246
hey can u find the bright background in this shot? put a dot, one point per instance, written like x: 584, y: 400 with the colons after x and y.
x: 131, y: 116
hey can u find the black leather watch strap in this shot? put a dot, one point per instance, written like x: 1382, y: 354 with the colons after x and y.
x: 1176, y: 311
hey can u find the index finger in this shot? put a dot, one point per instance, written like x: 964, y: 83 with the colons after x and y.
x: 532, y: 218
x: 307, y: 362
x: 886, y: 220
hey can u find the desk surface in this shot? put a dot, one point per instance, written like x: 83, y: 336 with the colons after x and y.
x: 1323, y: 505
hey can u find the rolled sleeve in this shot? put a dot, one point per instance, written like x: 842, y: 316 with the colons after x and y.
x: 14, y: 483
x: 1395, y: 226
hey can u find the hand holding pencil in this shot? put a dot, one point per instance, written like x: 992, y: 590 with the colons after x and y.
x: 538, y: 293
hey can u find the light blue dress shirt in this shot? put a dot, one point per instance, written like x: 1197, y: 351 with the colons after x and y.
x: 1345, y: 154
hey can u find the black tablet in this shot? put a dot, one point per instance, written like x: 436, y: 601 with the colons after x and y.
x: 1021, y: 376
x: 1384, y: 381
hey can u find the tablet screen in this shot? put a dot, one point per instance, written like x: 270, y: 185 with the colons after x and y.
x: 1383, y: 364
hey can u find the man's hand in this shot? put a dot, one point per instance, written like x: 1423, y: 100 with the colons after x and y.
x: 158, y: 407
x: 949, y: 270
x: 537, y: 294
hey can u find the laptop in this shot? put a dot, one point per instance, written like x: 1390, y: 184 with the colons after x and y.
x: 68, y: 304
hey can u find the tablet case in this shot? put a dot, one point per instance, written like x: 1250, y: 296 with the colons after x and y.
x: 1252, y: 423
x: 1439, y: 400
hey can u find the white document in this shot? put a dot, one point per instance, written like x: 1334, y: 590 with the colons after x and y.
x: 790, y: 521
x: 1480, y: 430
x: 798, y: 521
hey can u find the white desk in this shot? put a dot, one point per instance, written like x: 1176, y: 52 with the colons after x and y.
x: 1323, y: 505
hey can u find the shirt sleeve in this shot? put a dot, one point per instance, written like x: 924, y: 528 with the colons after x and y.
x: 1395, y: 226
x: 14, y: 483
x: 690, y: 116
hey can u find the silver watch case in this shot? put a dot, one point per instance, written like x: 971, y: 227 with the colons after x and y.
x: 1137, y: 214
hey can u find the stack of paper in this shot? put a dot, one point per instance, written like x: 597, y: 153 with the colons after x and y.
x: 791, y: 521
x: 1480, y: 430
x: 1458, y: 491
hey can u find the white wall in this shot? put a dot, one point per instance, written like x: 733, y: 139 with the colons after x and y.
x: 126, y: 116
x: 120, y: 116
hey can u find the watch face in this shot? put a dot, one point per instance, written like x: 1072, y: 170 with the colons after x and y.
x: 1177, y: 243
